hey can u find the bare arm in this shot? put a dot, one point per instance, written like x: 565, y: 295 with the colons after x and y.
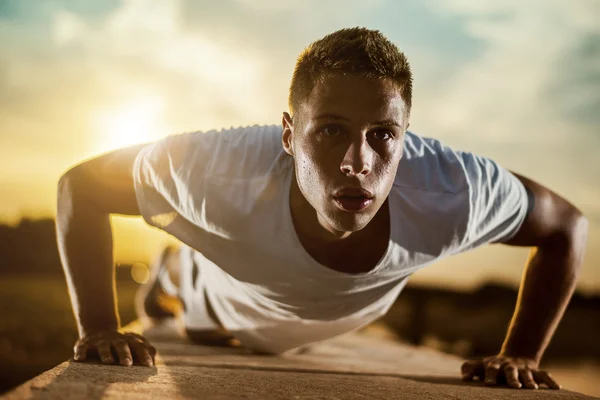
x: 87, y: 194
x: 557, y: 231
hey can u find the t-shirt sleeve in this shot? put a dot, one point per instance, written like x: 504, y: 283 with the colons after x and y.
x: 498, y: 202
x: 168, y: 177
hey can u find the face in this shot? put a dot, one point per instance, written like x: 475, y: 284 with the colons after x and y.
x: 347, y: 140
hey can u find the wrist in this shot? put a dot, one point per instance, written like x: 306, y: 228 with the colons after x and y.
x: 98, y: 325
x: 516, y: 352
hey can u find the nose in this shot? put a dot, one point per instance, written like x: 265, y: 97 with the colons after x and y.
x: 357, y: 158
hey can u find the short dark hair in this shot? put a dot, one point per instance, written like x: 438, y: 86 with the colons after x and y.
x: 356, y: 50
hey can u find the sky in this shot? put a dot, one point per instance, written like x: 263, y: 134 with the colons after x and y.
x: 515, y: 81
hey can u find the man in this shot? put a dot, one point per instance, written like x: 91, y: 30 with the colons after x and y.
x: 297, y: 233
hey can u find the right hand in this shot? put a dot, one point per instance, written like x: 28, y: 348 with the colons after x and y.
x: 106, y: 344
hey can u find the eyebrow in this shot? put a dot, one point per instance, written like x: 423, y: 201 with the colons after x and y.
x: 385, y: 122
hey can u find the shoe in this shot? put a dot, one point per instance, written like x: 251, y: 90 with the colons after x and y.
x: 151, y: 300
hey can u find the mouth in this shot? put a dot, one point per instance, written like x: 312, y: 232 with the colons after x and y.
x: 353, y: 199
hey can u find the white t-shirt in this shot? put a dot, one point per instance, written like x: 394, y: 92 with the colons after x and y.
x: 226, y: 195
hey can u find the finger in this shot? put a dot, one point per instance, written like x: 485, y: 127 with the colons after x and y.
x: 480, y: 372
x: 104, y: 352
x: 146, y: 342
x: 140, y: 352
x: 123, y: 352
x: 491, y: 373
x: 546, y: 378
x: 470, y: 368
x: 512, y: 376
x: 138, y: 336
x: 80, y: 352
x: 527, y: 379
x: 152, y: 351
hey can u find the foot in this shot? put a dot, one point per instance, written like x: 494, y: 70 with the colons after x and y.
x: 218, y: 337
x: 151, y: 301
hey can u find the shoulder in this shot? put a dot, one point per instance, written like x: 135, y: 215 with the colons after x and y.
x: 431, y: 199
x: 429, y: 165
x: 240, y: 152
x: 245, y: 152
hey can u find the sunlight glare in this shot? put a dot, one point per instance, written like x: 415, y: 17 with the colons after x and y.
x: 136, y: 122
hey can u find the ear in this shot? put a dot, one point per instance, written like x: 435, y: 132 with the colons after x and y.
x: 286, y: 138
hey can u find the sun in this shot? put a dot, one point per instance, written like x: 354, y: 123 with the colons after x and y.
x: 137, y: 121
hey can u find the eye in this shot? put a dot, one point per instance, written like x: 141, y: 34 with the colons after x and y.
x: 382, y: 135
x: 330, y: 130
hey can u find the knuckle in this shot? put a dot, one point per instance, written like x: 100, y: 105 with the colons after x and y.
x: 492, y: 368
x: 134, y: 343
x: 132, y: 339
x: 137, y: 336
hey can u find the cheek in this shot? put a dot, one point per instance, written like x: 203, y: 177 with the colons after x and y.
x: 386, y: 167
x: 310, y: 174
x: 314, y: 162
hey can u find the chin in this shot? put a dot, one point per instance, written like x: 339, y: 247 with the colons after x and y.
x: 349, y: 222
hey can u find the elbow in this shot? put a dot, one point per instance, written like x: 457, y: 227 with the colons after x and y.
x: 70, y: 190
x: 570, y: 229
x: 69, y: 184
x: 579, y: 232
x: 576, y: 228
x: 578, y: 242
x: 570, y: 241
x: 65, y: 194
x: 64, y: 185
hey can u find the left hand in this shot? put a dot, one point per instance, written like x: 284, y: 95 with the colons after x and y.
x: 517, y: 372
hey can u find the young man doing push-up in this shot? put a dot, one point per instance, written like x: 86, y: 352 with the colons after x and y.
x: 299, y: 232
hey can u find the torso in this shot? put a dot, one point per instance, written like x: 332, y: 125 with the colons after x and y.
x: 263, y: 277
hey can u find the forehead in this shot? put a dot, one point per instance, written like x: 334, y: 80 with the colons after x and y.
x: 357, y: 98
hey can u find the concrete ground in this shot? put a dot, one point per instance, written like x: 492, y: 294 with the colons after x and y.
x: 365, y: 365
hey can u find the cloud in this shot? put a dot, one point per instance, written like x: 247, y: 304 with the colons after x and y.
x: 503, y: 94
x: 67, y: 28
x: 70, y: 64
x: 577, y: 88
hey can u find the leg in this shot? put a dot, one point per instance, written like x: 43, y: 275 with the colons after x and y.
x: 201, y: 322
x: 153, y: 303
x: 170, y: 287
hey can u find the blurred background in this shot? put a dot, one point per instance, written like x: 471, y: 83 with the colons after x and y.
x: 515, y: 81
